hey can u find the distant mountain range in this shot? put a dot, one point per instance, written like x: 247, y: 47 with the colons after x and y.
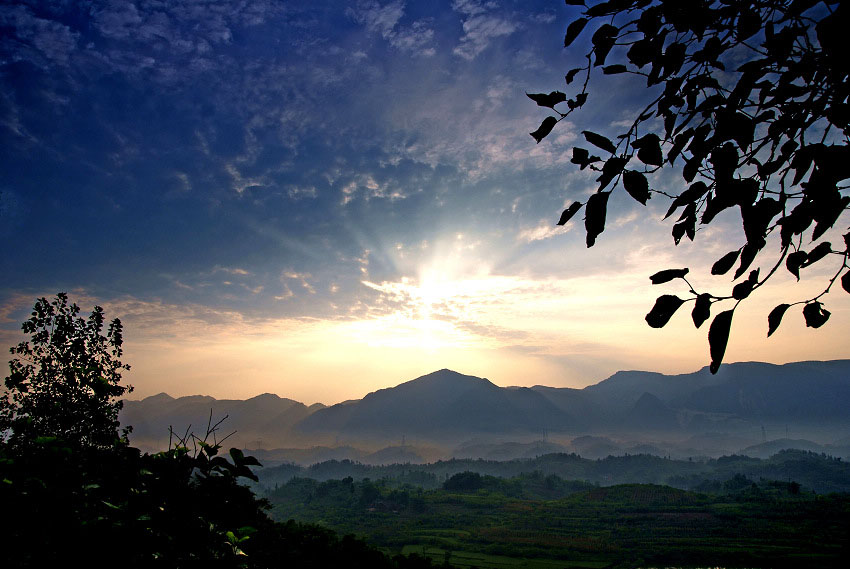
x: 448, y: 406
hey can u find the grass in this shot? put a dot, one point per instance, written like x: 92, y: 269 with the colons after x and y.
x: 469, y: 559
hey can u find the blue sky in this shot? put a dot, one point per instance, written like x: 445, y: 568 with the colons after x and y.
x: 321, y: 198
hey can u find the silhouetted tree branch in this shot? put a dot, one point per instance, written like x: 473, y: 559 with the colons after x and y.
x: 749, y: 102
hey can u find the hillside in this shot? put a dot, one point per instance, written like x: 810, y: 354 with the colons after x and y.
x: 739, y: 405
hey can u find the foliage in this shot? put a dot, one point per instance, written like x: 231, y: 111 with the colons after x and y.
x: 65, y: 381
x: 74, y: 493
x: 551, y: 522
x: 748, y: 101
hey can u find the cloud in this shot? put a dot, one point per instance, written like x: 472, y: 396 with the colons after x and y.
x: 480, y: 27
x: 40, y: 40
x: 545, y: 230
x: 416, y: 38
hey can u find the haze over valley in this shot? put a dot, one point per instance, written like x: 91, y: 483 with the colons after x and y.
x: 750, y: 408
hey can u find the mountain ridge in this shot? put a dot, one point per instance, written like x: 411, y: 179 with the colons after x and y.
x: 447, y: 405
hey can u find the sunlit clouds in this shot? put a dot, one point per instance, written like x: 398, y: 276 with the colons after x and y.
x: 319, y: 199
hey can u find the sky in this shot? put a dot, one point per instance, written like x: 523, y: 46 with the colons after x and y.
x: 321, y: 198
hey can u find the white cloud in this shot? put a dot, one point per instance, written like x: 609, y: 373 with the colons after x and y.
x: 416, y: 38
x: 544, y: 230
x: 480, y: 27
x: 51, y: 40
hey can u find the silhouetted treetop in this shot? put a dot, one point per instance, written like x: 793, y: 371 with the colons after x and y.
x: 65, y: 382
x: 748, y: 102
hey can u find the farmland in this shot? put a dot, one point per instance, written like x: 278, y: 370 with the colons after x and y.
x: 538, y: 521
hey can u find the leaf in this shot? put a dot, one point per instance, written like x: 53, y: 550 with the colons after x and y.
x: 742, y: 290
x: 668, y: 275
x: 547, y: 100
x: 614, y: 69
x: 718, y: 337
x: 665, y: 306
x: 545, y: 128
x: 649, y: 150
x: 599, y: 141
x: 775, y: 318
x: 582, y: 157
x: 603, y: 40
x: 636, y: 185
x: 815, y: 315
x: 571, y: 74
x: 816, y: 254
x: 748, y: 255
x: 845, y: 281
x: 702, y: 309
x: 794, y: 261
x: 573, y: 30
x: 580, y: 99
x: 594, y: 218
x: 612, y: 168
x: 237, y: 455
x: 568, y: 213
x: 574, y: 2
x: 722, y: 266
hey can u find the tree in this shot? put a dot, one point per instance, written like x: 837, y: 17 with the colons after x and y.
x: 76, y: 493
x: 749, y: 102
x: 65, y: 381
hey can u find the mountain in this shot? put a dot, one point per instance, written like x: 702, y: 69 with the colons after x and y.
x: 265, y: 419
x: 739, y: 394
x: 705, y: 413
x: 440, y: 405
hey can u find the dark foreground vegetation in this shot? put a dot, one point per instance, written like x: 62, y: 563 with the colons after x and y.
x: 75, y: 493
x: 537, y: 520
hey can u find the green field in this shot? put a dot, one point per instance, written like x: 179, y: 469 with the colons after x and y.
x: 765, y: 525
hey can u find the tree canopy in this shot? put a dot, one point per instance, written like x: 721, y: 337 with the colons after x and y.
x: 76, y: 493
x: 66, y: 381
x: 748, y: 102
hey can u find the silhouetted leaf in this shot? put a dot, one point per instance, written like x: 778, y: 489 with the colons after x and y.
x: 816, y: 254
x: 582, y: 157
x: 722, y: 266
x: 667, y: 275
x: 599, y: 141
x: 545, y: 128
x: 574, y: 2
x: 612, y: 168
x: 702, y: 309
x: 749, y: 23
x: 578, y: 101
x: 637, y: 185
x: 845, y: 281
x: 641, y: 52
x: 691, y: 195
x: 568, y: 213
x: 826, y: 219
x: 665, y: 306
x: 649, y: 150
x: 775, y: 318
x: 614, y: 69
x: 794, y: 261
x: 547, y: 100
x: 603, y: 40
x: 594, y: 217
x: 742, y: 290
x: 573, y: 30
x: 815, y: 315
x: 718, y: 337
x: 748, y: 255
x: 690, y: 170
x: 571, y: 74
